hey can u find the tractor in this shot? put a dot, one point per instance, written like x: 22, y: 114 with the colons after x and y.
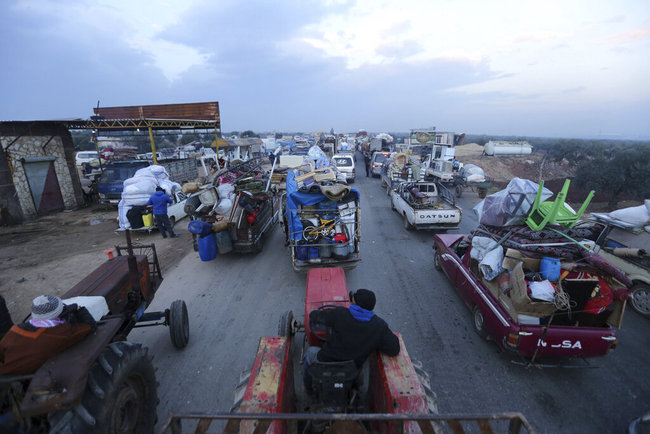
x: 102, y: 384
x: 388, y: 394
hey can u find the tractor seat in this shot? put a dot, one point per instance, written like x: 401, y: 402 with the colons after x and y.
x: 333, y: 383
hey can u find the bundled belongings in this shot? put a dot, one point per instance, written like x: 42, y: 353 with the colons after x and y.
x: 137, y: 191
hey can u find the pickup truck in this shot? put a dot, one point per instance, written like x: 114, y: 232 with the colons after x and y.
x: 110, y: 183
x: 550, y: 335
x: 425, y: 205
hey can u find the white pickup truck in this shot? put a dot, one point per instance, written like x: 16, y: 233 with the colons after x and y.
x: 425, y: 205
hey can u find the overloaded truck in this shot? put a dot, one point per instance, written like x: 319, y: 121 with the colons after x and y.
x: 321, y: 220
x: 425, y: 205
x: 110, y: 183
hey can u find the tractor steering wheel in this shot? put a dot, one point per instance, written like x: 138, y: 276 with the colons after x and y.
x: 320, y: 326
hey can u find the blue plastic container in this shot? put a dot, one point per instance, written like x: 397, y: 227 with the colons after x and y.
x: 207, y: 248
x: 302, y: 251
x: 313, y: 252
x: 199, y: 227
x: 550, y: 268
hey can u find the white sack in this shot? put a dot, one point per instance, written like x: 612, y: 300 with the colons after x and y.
x: 122, y: 209
x: 135, y: 199
x: 226, y: 191
x: 143, y: 186
x: 489, y: 254
x: 224, y: 207
x: 475, y: 178
x: 636, y: 215
x: 543, y: 290
x: 140, y: 179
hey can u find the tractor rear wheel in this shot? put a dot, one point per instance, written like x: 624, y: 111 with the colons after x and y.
x: 120, y: 394
x: 285, y: 326
x: 179, y: 324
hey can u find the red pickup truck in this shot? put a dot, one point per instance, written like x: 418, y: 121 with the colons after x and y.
x: 496, y: 318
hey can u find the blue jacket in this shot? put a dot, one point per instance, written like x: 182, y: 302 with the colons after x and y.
x: 159, y: 200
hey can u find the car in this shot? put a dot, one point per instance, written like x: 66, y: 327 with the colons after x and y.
x: 518, y: 324
x: 345, y: 164
x: 377, y: 162
x: 85, y: 157
x: 612, y: 241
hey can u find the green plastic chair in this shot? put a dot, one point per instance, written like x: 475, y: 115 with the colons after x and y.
x: 556, y: 212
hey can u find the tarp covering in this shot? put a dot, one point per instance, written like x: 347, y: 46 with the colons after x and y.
x: 296, y: 197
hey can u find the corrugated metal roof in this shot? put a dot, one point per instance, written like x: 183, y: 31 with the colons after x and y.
x: 207, y: 111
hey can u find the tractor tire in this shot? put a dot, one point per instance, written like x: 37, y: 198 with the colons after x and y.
x: 459, y: 190
x: 436, y: 260
x: 120, y: 395
x: 640, y: 298
x: 479, y: 323
x: 179, y: 324
x: 425, y: 380
x: 285, y: 326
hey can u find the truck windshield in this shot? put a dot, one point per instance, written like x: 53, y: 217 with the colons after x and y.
x: 113, y: 174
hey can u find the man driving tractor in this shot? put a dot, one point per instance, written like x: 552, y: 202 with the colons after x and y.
x: 355, y: 333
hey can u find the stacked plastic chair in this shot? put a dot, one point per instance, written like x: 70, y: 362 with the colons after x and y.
x: 556, y: 212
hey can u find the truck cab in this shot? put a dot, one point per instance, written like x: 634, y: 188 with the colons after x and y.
x: 111, y: 182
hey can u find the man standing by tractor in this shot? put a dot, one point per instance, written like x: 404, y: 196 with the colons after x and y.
x: 355, y: 333
x: 159, y: 200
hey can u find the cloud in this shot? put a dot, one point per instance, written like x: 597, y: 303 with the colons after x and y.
x: 630, y: 36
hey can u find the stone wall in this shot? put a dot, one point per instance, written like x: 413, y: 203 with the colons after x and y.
x: 28, y: 139
x: 37, y: 146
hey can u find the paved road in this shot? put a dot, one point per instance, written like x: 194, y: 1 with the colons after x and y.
x: 236, y: 299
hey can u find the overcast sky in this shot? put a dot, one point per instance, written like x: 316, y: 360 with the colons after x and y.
x: 561, y: 68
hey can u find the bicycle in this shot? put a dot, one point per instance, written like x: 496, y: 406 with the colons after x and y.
x: 326, y: 228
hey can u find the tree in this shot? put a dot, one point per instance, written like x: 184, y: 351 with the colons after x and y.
x: 248, y: 133
x: 189, y: 138
x: 622, y: 170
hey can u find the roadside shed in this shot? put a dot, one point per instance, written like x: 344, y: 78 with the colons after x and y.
x: 38, y: 175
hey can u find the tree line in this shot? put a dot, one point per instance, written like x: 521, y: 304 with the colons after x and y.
x: 617, y: 168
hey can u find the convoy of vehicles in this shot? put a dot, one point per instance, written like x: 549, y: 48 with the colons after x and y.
x: 425, y: 205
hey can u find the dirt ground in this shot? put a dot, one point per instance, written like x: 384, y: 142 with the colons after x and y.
x: 53, y: 253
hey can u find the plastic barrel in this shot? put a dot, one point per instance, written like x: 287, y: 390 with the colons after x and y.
x: 207, y: 248
x: 550, y: 268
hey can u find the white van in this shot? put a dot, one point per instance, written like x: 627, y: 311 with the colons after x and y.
x: 345, y: 164
x: 85, y: 157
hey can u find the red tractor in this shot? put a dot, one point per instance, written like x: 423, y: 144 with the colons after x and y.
x: 391, y: 394
x: 102, y: 384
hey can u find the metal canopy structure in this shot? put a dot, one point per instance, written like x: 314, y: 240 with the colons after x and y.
x: 202, y: 115
x: 193, y: 116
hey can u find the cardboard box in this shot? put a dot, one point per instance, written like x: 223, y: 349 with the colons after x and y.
x: 512, y: 257
x: 520, y: 299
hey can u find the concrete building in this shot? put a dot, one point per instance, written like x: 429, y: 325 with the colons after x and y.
x: 38, y: 175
